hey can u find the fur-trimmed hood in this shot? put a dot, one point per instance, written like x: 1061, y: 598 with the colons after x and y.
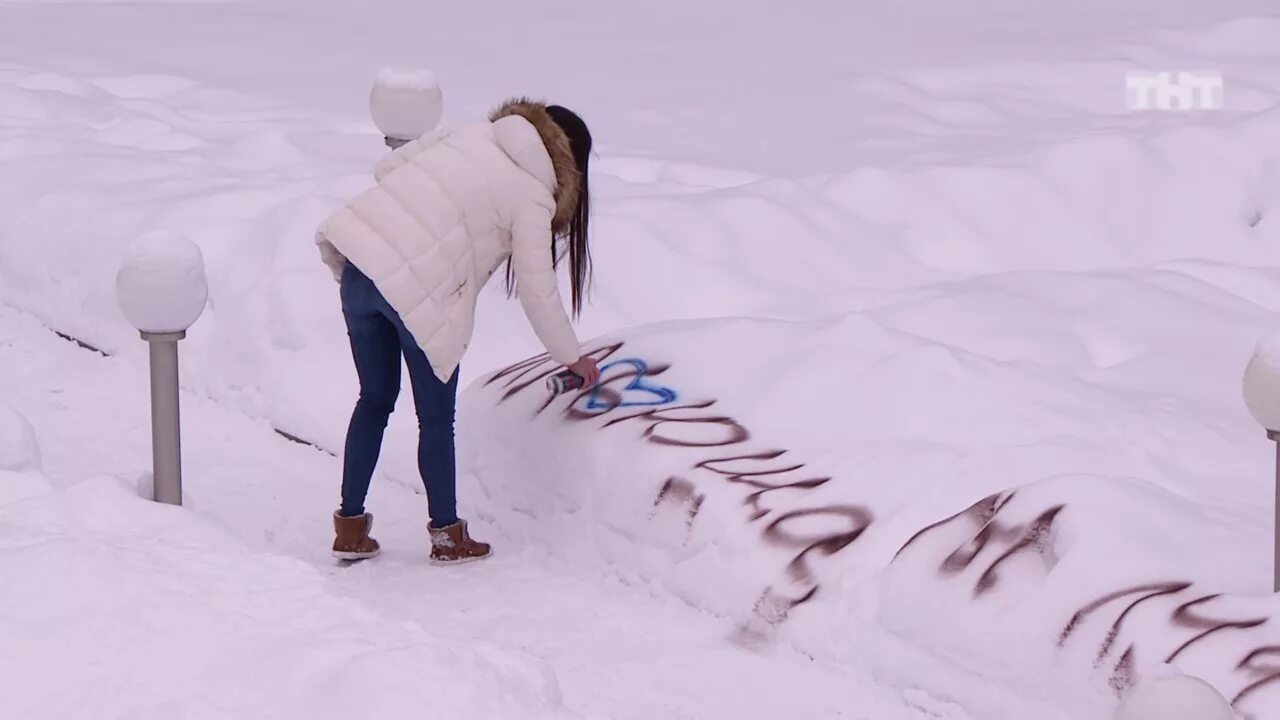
x: 568, y: 178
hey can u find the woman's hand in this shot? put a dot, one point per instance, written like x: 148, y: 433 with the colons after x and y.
x: 587, y: 369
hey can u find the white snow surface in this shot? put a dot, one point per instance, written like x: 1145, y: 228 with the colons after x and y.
x: 19, y: 450
x: 923, y: 395
x: 127, y: 608
x: 403, y: 78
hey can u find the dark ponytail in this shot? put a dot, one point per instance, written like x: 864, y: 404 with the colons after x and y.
x: 577, y: 247
x: 575, y: 233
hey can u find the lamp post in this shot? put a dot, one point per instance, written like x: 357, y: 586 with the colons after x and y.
x: 161, y: 290
x: 1262, y: 396
x: 405, y: 104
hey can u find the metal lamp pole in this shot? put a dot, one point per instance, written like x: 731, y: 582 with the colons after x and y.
x: 166, y: 430
x: 1274, y: 437
x: 161, y: 289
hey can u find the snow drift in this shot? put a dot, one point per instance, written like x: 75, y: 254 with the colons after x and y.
x: 120, y: 607
x: 970, y: 500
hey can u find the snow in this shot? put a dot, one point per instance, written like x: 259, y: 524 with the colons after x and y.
x: 958, y: 339
x: 19, y: 450
x: 684, y: 498
x: 402, y: 78
x: 160, y: 285
x: 170, y: 616
x: 250, y: 493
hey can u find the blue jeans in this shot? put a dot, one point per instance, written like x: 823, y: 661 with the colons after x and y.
x: 378, y: 340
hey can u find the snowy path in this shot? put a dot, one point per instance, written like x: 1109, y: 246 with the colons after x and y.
x: 618, y: 652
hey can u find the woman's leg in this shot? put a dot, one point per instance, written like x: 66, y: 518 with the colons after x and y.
x: 435, y: 403
x: 375, y: 347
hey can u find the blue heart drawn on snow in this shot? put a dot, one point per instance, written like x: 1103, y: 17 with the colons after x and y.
x: 661, y: 395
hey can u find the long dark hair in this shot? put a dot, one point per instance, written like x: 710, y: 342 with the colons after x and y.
x: 575, y: 235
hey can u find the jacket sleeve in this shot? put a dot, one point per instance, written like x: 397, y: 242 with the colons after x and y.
x: 536, y: 285
x: 330, y: 255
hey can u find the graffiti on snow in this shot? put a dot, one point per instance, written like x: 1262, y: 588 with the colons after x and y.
x: 680, y: 492
x: 981, y: 518
x: 652, y: 394
x: 1189, y: 619
x: 629, y: 395
x: 774, y: 490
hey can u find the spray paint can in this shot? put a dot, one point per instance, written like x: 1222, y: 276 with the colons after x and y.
x: 563, y: 382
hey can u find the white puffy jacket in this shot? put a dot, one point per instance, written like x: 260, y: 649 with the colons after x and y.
x: 447, y: 211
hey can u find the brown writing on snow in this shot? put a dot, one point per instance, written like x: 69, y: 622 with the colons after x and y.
x: 764, y: 472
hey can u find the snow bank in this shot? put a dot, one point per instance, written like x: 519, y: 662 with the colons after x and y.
x: 249, y: 182
x: 19, y: 458
x: 19, y: 451
x: 178, y: 619
x: 850, y: 484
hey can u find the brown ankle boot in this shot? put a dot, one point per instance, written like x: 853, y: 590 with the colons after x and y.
x: 353, y: 541
x: 452, y: 544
